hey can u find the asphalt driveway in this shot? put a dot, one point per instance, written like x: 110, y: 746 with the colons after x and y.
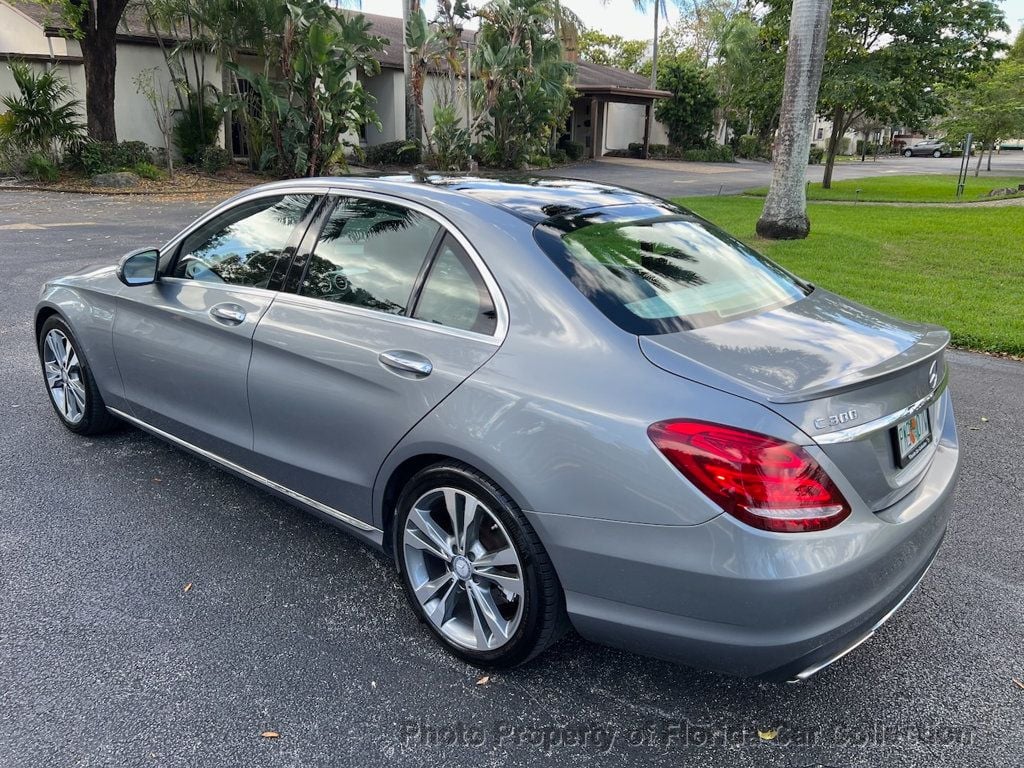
x: 292, y: 627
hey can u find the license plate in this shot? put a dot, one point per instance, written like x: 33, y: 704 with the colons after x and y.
x: 911, y: 436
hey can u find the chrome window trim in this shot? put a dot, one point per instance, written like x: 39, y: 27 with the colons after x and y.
x: 500, y: 305
x: 329, y: 511
x: 884, y: 422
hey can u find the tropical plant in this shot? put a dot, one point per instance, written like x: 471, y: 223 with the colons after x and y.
x: 41, y: 117
x: 785, y: 209
x: 161, y: 100
x: 522, y: 83
x: 451, y: 142
x: 612, y: 50
x: 688, y: 114
x: 316, y: 100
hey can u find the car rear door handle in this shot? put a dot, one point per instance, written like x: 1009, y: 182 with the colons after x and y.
x: 407, y: 362
x: 228, y: 314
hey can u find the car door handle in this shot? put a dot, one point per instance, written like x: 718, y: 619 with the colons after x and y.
x: 229, y: 314
x: 408, y: 362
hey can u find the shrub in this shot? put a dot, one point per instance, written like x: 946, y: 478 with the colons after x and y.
x: 196, y: 130
x: 559, y: 157
x: 40, y: 167
x: 816, y: 155
x: 749, y: 146
x: 105, y: 156
x: 574, y: 149
x: 540, y: 161
x: 688, y: 114
x: 635, y: 149
x: 394, y: 153
x: 451, y: 141
x: 716, y: 154
x: 215, y: 159
x: 147, y: 170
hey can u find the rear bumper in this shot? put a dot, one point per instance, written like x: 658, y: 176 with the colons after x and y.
x: 726, y: 597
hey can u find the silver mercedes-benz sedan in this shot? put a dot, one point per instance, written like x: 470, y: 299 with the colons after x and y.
x: 553, y: 403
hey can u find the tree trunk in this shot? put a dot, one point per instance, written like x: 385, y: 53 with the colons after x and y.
x: 99, y: 59
x: 838, y: 129
x: 981, y: 155
x: 413, y: 127
x: 785, y: 208
x: 988, y: 165
x: 648, y: 129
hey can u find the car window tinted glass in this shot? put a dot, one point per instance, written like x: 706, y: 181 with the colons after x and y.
x: 667, y: 274
x: 369, y: 255
x: 244, y: 245
x: 454, y: 294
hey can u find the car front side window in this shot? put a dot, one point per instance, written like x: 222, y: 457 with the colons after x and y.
x: 245, y: 245
x: 369, y: 255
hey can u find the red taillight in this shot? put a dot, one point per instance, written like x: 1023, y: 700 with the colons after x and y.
x: 767, y: 483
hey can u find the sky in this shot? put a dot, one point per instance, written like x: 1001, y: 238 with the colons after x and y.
x: 619, y: 18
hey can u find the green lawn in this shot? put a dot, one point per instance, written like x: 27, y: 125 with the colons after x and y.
x: 959, y: 267
x: 938, y: 188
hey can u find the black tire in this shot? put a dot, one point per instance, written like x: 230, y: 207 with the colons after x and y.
x: 543, y: 620
x: 95, y: 419
x: 907, y: 153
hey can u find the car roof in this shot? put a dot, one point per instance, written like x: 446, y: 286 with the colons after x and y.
x: 531, y: 199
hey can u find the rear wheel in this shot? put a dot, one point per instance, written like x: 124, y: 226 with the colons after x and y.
x: 474, y: 570
x: 69, y: 382
x: 907, y: 153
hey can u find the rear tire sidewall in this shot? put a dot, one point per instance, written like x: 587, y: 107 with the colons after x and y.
x: 521, y: 647
x: 937, y: 153
x: 907, y: 153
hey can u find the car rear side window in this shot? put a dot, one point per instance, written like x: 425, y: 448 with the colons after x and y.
x: 666, y: 274
x: 369, y: 254
x: 454, y: 294
x: 244, y: 245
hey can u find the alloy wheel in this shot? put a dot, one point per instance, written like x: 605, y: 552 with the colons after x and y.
x: 64, y: 376
x: 463, y: 569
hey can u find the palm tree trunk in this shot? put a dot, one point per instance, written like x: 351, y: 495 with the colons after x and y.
x: 413, y: 128
x: 785, y: 208
x: 654, y: 80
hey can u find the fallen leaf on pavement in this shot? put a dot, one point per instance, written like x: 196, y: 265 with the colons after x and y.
x: 984, y: 418
x: 767, y: 735
x: 1018, y: 682
x: 187, y: 587
x: 270, y: 735
x: 484, y: 680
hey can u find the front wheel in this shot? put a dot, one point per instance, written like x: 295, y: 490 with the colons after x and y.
x: 474, y: 570
x: 69, y: 382
x: 937, y: 153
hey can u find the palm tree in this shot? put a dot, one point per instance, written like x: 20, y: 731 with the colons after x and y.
x: 785, y: 209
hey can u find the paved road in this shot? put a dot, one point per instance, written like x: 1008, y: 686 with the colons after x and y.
x: 672, y: 179
x: 292, y: 626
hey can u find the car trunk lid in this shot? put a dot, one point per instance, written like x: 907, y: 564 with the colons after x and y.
x: 842, y: 372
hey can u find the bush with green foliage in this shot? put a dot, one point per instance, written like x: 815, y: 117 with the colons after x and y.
x: 196, y: 129
x: 147, y: 170
x: 39, y: 166
x: 215, y: 159
x: 816, y: 155
x: 574, y: 149
x: 688, y: 114
x: 393, y: 153
x: 450, y: 140
x: 559, y: 157
x: 714, y: 154
x: 41, y: 118
x: 106, y: 156
x: 749, y: 146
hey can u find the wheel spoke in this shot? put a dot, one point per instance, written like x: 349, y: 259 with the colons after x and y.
x: 77, y: 391
x: 469, y: 524
x: 428, y: 536
x: 479, y: 635
x: 511, y: 584
x: 56, y: 348
x: 428, y: 590
x: 442, y: 609
x: 488, y: 609
x: 72, y: 359
x: 497, y: 559
x: 451, y: 503
x: 52, y: 373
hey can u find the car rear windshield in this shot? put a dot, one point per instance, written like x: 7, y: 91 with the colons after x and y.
x: 665, y: 274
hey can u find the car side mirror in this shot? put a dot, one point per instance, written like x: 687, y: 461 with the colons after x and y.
x: 139, y: 267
